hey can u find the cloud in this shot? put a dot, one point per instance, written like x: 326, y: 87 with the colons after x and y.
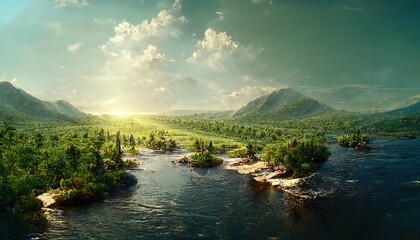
x: 72, y: 47
x: 161, y: 90
x: 177, y: 5
x: 105, y: 21
x: 138, y: 60
x: 220, y: 16
x: 348, y: 8
x: 151, y: 56
x: 213, y: 47
x: 73, y: 3
x: 257, y: 2
x: 161, y: 26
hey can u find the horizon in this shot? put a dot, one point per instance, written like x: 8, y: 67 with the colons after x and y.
x: 160, y: 56
x: 122, y: 113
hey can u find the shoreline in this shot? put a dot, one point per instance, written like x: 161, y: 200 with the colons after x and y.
x: 262, y: 173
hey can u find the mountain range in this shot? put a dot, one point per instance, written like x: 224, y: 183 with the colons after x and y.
x: 413, y: 109
x: 282, y: 104
x: 18, y: 104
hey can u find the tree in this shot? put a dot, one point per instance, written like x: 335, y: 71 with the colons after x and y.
x: 38, y: 140
x: 132, y: 142
x: 73, y: 155
x: 118, y: 143
x: 210, y: 147
x: 250, y: 152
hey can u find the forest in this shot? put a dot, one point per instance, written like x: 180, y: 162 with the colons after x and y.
x: 82, y: 158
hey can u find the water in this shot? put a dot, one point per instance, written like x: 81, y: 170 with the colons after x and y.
x: 376, y: 195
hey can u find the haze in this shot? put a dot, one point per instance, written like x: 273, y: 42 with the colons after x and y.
x: 151, y: 56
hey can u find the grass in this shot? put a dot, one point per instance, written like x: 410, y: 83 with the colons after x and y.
x: 143, y: 125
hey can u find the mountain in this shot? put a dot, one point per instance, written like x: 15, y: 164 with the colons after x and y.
x: 16, y: 103
x: 413, y: 109
x: 66, y: 108
x: 282, y: 104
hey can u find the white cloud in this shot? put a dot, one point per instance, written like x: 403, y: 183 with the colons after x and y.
x: 262, y: 2
x: 132, y: 51
x: 72, y: 47
x: 182, y: 20
x: 151, y: 56
x: 177, y: 5
x: 161, y: 26
x: 220, y: 16
x: 105, y: 21
x: 161, y: 90
x: 73, y: 3
x: 348, y: 8
x: 213, y: 47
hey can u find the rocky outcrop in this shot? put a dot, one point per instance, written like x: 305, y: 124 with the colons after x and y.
x: 278, y: 177
x: 48, y: 198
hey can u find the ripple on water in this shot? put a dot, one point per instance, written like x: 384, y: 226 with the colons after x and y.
x: 375, y: 196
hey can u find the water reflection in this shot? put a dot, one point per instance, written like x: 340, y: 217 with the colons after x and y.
x: 374, y: 195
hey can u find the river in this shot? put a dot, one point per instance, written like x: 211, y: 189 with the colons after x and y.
x: 375, y: 195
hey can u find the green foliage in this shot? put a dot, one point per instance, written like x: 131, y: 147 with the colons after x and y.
x: 297, y: 155
x: 200, y: 145
x: 355, y: 139
x: 237, y: 153
x: 246, y: 152
x: 158, y: 140
x: 205, y: 160
x: 83, y: 165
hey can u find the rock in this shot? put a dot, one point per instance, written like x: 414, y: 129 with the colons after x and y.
x: 260, y: 178
x: 274, y: 182
x: 277, y: 174
x: 246, y: 160
x: 253, y: 168
x: 184, y: 159
x: 48, y: 199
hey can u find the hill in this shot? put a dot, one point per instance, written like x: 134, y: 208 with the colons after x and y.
x: 413, y: 109
x: 17, y: 104
x: 66, y: 108
x: 282, y: 104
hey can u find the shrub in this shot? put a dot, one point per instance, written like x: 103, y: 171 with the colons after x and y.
x: 355, y: 139
x: 297, y: 155
x: 205, y: 160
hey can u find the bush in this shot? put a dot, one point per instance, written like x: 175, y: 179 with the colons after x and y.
x: 297, y: 155
x: 355, y: 139
x: 205, y: 160
x: 238, y: 153
x: 157, y: 141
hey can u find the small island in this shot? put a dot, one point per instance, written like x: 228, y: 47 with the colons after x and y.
x: 287, y: 164
x: 355, y: 139
x: 203, y: 156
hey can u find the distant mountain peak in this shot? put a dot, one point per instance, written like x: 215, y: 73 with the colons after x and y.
x: 413, y: 109
x: 66, y: 108
x: 285, y: 103
x: 17, y: 102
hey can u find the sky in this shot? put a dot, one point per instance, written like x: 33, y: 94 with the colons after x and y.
x: 133, y: 56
